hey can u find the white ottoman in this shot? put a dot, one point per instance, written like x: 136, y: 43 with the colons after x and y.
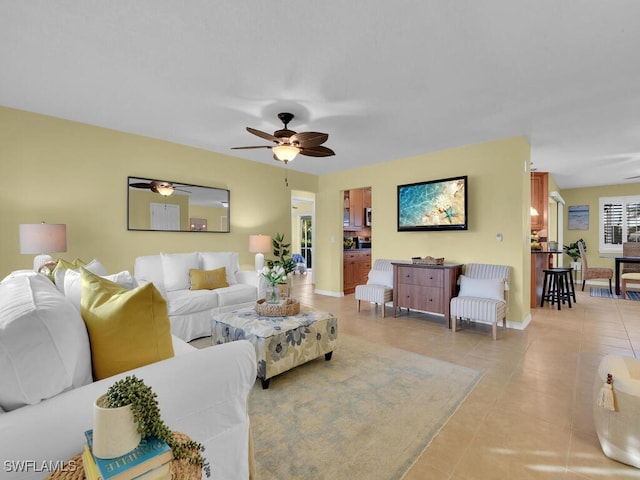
x: 619, y: 430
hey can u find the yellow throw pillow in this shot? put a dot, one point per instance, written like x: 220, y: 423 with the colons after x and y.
x: 208, y: 279
x: 127, y: 328
x: 63, y: 265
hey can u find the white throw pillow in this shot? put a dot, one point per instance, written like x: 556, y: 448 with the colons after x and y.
x: 379, y: 277
x: 481, y: 287
x: 175, y: 270
x: 228, y: 260
x: 44, y: 346
x: 94, y: 266
x: 73, y: 284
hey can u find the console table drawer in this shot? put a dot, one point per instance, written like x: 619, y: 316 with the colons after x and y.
x: 420, y: 276
x: 417, y: 297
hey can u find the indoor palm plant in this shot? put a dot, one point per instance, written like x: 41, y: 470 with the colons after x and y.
x: 142, y: 401
x: 283, y: 260
x: 573, y: 251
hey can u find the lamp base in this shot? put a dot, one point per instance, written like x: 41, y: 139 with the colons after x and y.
x: 259, y: 261
x: 40, y: 260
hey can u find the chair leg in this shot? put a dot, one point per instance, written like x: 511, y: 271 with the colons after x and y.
x: 494, y: 330
x: 384, y: 310
x: 358, y: 305
x: 610, y: 291
x: 623, y: 288
x: 454, y: 322
x: 583, y: 282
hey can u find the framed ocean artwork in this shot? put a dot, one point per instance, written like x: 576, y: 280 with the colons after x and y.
x: 433, y: 205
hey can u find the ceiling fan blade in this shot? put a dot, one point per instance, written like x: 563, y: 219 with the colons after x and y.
x: 631, y: 178
x: 140, y: 185
x: 255, y: 146
x: 309, y: 139
x: 317, y: 152
x: 265, y: 135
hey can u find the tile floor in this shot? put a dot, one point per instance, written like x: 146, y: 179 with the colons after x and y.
x: 530, y: 416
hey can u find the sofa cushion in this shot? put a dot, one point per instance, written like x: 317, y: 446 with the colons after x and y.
x: 229, y: 260
x: 236, y: 294
x: 175, y: 269
x: 127, y: 328
x: 73, y: 284
x: 148, y: 268
x: 185, y: 302
x: 44, y: 348
x: 208, y: 279
x: 94, y: 266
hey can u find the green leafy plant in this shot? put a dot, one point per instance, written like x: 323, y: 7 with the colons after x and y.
x: 281, y: 251
x: 573, y: 251
x: 146, y: 413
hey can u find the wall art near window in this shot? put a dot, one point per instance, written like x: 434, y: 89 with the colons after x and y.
x: 579, y: 217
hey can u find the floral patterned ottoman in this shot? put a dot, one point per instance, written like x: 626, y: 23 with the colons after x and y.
x: 281, y: 343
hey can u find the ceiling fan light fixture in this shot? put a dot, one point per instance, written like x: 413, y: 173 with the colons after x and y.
x: 285, y: 153
x: 164, y: 190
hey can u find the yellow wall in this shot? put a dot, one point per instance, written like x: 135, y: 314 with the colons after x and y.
x: 66, y: 172
x: 499, y: 200
x: 591, y: 196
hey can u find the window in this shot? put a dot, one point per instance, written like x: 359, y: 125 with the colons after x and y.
x: 619, y: 222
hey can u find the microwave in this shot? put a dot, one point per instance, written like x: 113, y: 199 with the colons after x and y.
x: 367, y: 217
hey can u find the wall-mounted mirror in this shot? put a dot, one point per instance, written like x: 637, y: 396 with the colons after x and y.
x: 161, y: 205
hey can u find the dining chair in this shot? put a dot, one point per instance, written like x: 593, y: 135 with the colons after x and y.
x: 630, y: 249
x: 589, y: 273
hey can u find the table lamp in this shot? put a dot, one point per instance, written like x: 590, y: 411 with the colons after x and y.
x: 42, y: 238
x: 259, y: 244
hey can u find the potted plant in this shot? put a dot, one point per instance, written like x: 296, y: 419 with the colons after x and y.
x: 141, y: 400
x: 281, y: 252
x: 574, y: 252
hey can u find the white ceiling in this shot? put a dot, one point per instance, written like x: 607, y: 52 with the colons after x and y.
x: 385, y: 80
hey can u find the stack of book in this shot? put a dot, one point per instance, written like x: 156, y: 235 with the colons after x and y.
x: 150, y: 460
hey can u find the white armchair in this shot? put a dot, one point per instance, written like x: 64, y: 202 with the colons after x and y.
x: 379, y: 287
x: 483, y: 296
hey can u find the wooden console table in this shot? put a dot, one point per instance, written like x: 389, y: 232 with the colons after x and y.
x: 427, y: 288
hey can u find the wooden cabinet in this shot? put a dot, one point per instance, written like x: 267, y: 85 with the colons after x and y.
x: 355, y: 201
x: 428, y: 288
x: 539, y: 200
x: 356, y: 266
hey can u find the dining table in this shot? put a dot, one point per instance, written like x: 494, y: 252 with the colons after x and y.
x: 620, y: 260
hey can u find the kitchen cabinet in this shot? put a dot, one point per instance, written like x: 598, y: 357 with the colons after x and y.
x: 353, y: 210
x: 356, y: 265
x: 427, y: 288
x: 539, y: 200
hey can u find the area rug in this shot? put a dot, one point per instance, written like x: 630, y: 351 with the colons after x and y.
x: 368, y: 413
x: 604, y: 292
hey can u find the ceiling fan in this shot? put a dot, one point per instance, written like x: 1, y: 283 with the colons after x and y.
x: 156, y: 186
x: 288, y: 143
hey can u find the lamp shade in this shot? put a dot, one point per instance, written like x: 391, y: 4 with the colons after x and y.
x: 42, y: 238
x: 259, y: 244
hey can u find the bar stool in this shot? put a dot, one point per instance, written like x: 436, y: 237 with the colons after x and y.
x: 558, y: 286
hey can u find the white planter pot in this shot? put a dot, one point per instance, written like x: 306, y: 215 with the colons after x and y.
x: 577, y: 266
x: 114, y: 431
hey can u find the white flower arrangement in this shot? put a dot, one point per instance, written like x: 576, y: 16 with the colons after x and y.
x: 274, y: 275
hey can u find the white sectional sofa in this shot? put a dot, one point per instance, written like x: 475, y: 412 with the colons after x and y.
x: 47, y: 389
x: 191, y: 311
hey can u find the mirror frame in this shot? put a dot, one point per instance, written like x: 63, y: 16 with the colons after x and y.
x: 203, y: 196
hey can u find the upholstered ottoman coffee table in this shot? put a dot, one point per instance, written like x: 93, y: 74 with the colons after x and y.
x: 281, y: 343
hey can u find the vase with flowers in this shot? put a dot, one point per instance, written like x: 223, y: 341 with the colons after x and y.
x: 273, y: 275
